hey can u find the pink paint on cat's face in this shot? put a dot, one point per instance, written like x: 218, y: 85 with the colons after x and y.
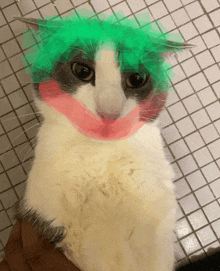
x: 92, y: 125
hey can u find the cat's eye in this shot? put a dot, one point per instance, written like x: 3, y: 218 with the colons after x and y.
x: 135, y: 80
x: 82, y: 71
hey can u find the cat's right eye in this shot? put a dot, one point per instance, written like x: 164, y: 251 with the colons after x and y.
x: 83, y: 72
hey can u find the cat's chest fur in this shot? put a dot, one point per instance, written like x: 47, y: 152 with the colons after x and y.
x: 104, y: 194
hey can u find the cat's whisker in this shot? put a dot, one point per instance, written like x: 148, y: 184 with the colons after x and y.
x: 20, y: 116
x: 16, y: 138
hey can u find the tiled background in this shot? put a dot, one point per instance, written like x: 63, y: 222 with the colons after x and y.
x: 191, y: 121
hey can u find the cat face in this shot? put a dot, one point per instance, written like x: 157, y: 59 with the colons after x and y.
x: 100, y: 84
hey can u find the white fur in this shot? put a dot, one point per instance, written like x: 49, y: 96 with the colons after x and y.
x: 115, y: 199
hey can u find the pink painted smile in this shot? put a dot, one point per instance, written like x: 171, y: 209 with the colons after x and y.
x: 92, y: 125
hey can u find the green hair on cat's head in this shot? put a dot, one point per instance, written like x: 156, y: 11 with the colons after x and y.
x: 59, y: 40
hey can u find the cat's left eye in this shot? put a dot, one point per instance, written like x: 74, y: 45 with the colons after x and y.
x: 135, y: 80
x: 82, y: 71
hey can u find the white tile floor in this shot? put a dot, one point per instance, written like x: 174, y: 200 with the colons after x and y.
x: 191, y: 121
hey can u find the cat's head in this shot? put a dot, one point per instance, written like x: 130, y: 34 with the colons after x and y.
x: 100, y: 84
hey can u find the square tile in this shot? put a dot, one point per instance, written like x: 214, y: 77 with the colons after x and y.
x: 200, y: 45
x: 182, y: 228
x: 24, y: 151
x: 192, y: 103
x: 188, y: 31
x: 168, y: 24
x: 10, y: 84
x: 211, y: 172
x: 172, y: 98
x: 206, y: 236
x: 194, y: 10
x: 11, y: 12
x: 203, y: 156
x: 214, y: 110
x: 122, y: 7
x: 23, y: 77
x: 8, y: 198
x: 215, y: 17
x: 217, y: 125
x: 177, y: 111
x: 17, y: 98
x: 2, y: 94
x: 179, y: 213
x: 5, y: 3
x: 198, y: 81
x: 5, y: 33
x: 10, y: 213
x: 4, y: 182
x: 178, y: 252
x: 9, y: 159
x: 211, y: 38
x: 173, y: 4
x: 26, y: 6
x: 143, y: 17
x: 189, y: 203
x: 209, y: 133
x: 203, y: 24
x: 179, y: 149
x: 10, y: 121
x: 185, y: 126
x: 197, y: 219
x: 184, y: 89
x: 48, y: 10
x: 187, y: 164
x: 171, y: 134
x: 41, y: 3
x: 216, y: 88
x: 212, y: 73
x: 179, y: 74
x: 136, y: 5
x: 216, y: 53
x: 4, y: 221
x: 205, y: 59
x: 5, y: 106
x: 5, y: 69
x: 190, y: 244
x: 181, y: 188
x: 194, y: 141
x: 210, y: 5
x: 16, y: 62
x: 113, y: 2
x: 214, y: 149
x: 2, y: 55
x: 184, y: 56
x: 200, y: 118
x: 18, y: 27
x: 212, y: 211
x: 5, y: 144
x: 17, y: 175
x: 204, y: 195
x: 216, y: 227
x: 180, y: 17
x: 165, y: 119
x: 190, y: 67
x: 215, y: 186
x: 17, y: 136
x: 20, y: 189
x: 177, y: 171
x: 32, y: 128
x: 158, y: 10
x: 25, y: 113
x: 65, y: 5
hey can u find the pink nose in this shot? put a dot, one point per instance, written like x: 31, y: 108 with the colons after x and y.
x: 109, y: 116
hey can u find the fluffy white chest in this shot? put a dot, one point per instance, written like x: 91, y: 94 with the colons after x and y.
x: 111, y: 198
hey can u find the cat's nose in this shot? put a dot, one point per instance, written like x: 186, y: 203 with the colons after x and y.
x: 109, y: 116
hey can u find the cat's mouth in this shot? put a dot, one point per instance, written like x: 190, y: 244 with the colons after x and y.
x: 92, y: 125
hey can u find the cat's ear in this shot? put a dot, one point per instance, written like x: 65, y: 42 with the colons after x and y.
x: 31, y: 22
x: 174, y: 47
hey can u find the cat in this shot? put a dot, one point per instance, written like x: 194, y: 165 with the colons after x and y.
x: 110, y: 205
